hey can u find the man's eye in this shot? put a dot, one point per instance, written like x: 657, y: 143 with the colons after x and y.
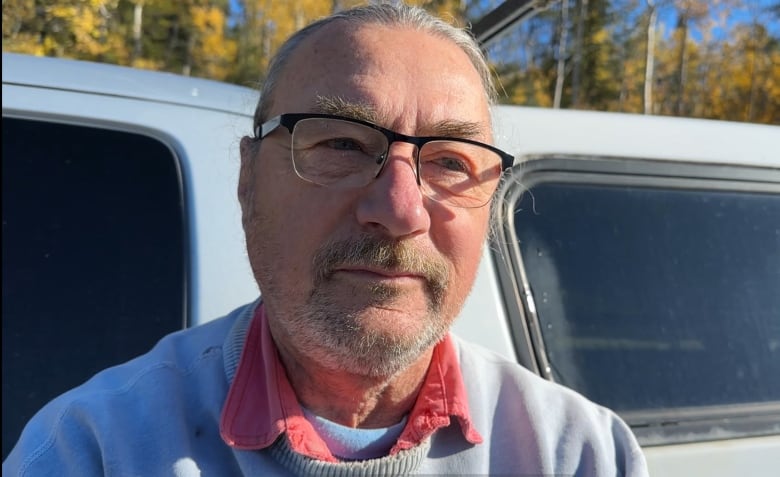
x: 452, y: 164
x: 344, y: 144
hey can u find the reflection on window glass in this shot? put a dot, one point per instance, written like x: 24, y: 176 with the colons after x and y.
x: 93, y: 257
x: 655, y: 298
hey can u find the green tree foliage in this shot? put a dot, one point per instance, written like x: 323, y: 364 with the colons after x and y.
x: 704, y: 61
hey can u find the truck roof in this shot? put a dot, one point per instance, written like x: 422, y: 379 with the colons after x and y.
x: 122, y: 81
x: 521, y: 131
x: 541, y: 131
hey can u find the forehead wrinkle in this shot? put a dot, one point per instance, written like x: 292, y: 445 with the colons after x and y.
x: 364, y: 111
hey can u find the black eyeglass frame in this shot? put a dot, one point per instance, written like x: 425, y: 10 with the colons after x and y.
x: 289, y: 120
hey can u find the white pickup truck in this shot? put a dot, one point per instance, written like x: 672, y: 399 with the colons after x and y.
x: 636, y: 259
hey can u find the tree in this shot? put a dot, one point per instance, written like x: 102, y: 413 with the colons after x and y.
x: 562, y: 41
x: 20, y: 26
x: 211, y: 52
x: 652, y: 19
x: 579, y: 43
x: 687, y: 11
x: 83, y: 29
x: 262, y: 25
x: 752, y: 65
x: 615, y: 55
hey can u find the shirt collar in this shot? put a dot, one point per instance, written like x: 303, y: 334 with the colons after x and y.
x: 261, y: 403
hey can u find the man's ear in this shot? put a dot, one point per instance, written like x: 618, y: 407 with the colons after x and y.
x: 246, y: 174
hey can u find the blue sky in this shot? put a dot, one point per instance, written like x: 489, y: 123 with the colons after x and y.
x: 753, y: 9
x: 668, y: 15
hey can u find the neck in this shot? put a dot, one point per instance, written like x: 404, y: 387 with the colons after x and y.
x: 354, y: 400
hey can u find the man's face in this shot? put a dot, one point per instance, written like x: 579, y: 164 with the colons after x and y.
x: 364, y: 280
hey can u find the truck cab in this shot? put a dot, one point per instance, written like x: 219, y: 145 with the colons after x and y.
x: 635, y: 259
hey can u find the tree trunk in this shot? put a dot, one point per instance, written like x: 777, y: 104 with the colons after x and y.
x: 561, y: 73
x: 650, y: 59
x: 754, y: 54
x: 682, y: 26
x: 138, y: 13
x: 578, y: 46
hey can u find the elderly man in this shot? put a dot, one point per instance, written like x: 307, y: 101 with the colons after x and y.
x: 365, y: 194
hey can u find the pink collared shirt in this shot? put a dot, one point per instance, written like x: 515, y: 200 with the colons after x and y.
x: 261, y: 403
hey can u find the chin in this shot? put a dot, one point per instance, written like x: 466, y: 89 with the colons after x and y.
x: 371, y: 342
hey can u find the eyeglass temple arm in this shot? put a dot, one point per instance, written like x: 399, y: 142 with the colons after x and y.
x: 268, y: 126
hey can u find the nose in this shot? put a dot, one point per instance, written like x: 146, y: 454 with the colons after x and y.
x: 393, y: 202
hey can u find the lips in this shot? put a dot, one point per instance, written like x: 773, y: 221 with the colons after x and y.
x: 380, y: 272
x: 377, y: 255
x: 384, y: 262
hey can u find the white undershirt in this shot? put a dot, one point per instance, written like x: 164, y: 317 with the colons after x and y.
x: 349, y: 443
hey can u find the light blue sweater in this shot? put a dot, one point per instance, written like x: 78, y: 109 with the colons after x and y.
x: 158, y: 415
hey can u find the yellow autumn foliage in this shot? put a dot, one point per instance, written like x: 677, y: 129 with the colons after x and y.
x: 697, y: 71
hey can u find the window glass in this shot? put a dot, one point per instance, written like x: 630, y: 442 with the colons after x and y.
x: 653, y: 298
x: 93, y: 257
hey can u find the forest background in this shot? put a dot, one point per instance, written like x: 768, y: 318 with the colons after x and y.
x: 715, y: 59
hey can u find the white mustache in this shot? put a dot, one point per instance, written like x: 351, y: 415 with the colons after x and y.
x: 372, y: 252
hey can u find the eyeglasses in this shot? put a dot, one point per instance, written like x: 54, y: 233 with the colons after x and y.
x: 341, y: 152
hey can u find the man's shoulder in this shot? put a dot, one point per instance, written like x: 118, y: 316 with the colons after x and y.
x: 181, y: 352
x: 185, y: 371
x: 472, y: 355
x: 509, y: 403
x: 510, y: 384
x: 184, y: 346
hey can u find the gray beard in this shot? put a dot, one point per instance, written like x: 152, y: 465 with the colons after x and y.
x: 339, y: 336
x: 343, y: 343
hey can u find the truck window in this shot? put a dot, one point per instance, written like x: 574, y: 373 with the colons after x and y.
x: 93, y: 257
x: 652, y: 294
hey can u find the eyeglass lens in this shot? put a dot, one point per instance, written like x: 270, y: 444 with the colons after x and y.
x: 344, y: 154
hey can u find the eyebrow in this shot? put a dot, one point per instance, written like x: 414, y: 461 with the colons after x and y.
x: 455, y: 128
x: 341, y: 107
x: 365, y: 112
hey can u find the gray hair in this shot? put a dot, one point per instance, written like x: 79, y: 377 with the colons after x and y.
x: 399, y: 15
